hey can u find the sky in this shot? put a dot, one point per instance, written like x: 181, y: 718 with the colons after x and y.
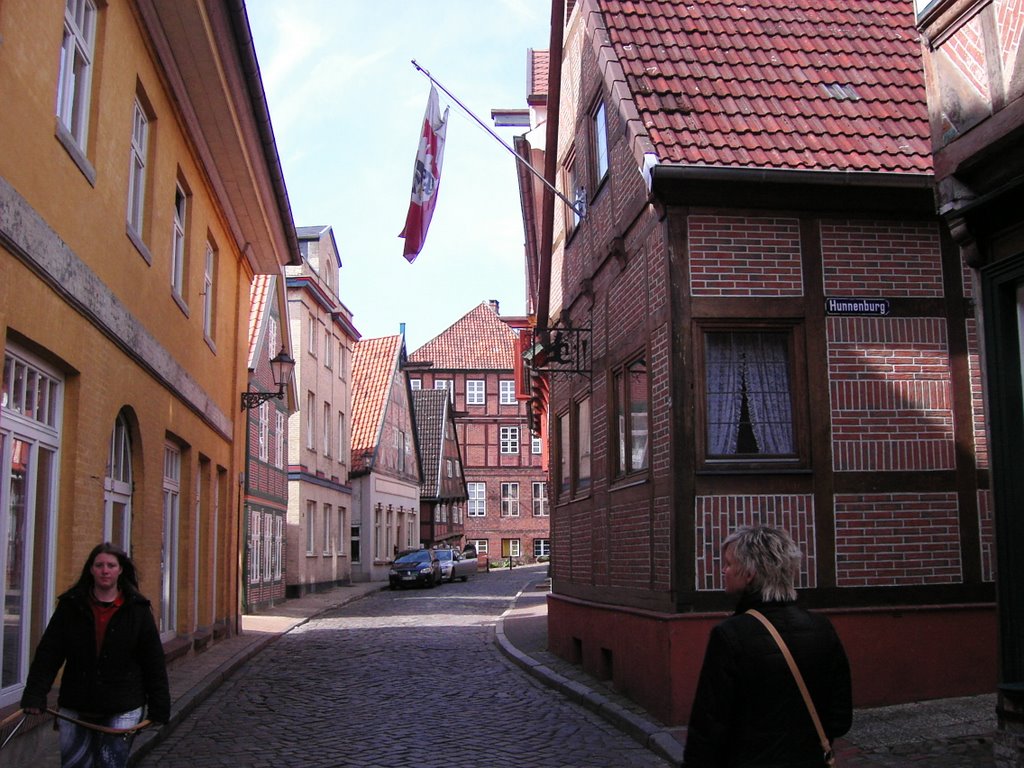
x: 347, y: 107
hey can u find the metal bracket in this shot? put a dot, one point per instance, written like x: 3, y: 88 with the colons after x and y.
x: 568, y: 351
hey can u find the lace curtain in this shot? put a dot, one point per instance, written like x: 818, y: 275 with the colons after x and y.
x: 754, y: 366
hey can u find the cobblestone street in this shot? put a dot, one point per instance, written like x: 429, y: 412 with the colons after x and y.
x: 397, y: 678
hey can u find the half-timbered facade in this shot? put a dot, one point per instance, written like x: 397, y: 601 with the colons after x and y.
x: 760, y: 318
x: 443, y: 492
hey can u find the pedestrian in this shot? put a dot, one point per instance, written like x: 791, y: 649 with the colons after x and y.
x: 104, y: 634
x: 748, y: 709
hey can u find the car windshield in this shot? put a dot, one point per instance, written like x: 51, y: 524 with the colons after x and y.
x: 420, y: 556
x: 444, y: 555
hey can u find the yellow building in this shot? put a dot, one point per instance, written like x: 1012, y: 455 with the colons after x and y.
x: 140, y: 191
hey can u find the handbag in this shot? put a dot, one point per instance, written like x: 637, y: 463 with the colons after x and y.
x: 829, y: 755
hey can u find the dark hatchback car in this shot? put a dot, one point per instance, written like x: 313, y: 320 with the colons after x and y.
x: 417, y: 567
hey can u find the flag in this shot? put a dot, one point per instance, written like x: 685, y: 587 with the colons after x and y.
x: 426, y: 177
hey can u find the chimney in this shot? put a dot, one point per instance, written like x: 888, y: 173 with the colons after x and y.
x: 494, y: 306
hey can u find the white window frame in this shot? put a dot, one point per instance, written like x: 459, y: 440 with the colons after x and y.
x: 510, y: 499
x: 279, y: 431
x: 169, y: 541
x: 540, y: 499
x: 415, y: 384
x: 137, y: 168
x: 341, y: 437
x: 178, y: 242
x: 542, y: 547
x: 536, y: 445
x: 117, y: 487
x: 599, y: 122
x: 328, y: 522
x: 447, y: 384
x: 328, y: 350
x: 209, y: 295
x: 255, y: 546
x: 264, y: 432
x: 509, y: 440
x: 476, y: 392
x: 31, y: 404
x: 480, y: 545
x: 507, y: 392
x: 310, y: 421
x: 476, y: 506
x: 74, y: 86
x: 312, y: 335
x: 278, y: 546
x: 327, y: 430
x: 310, y: 527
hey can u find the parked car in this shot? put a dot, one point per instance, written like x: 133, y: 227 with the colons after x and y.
x: 416, y: 567
x: 456, y: 566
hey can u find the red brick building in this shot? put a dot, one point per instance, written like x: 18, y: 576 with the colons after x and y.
x: 773, y: 326
x: 506, y: 483
x: 972, y: 54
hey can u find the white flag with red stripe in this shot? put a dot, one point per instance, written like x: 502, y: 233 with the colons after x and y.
x: 426, y: 177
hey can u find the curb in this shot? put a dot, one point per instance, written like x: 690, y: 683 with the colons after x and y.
x: 651, y: 735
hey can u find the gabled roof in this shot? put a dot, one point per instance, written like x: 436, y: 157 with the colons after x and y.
x: 374, y: 363
x: 818, y: 85
x: 260, y: 291
x: 477, y: 341
x: 430, y: 408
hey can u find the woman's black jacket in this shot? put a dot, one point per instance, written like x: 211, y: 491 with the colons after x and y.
x: 748, y: 710
x: 129, y: 671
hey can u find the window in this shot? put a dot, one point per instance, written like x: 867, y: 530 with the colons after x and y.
x: 312, y: 335
x: 310, y: 527
x: 477, y: 499
x: 564, y: 454
x: 446, y: 384
x: 327, y: 429
x: 507, y: 388
x: 178, y: 242
x: 480, y: 545
x: 600, y: 138
x: 540, y: 499
x: 268, y: 546
x: 748, y: 395
x: 583, y: 444
x: 542, y: 548
x: 255, y: 546
x: 415, y: 384
x: 30, y: 416
x: 509, y: 439
x: 510, y: 548
x: 279, y: 427
x: 264, y: 432
x: 310, y: 421
x: 169, y: 546
x: 574, y: 190
x: 209, y: 295
x: 117, y: 487
x: 631, y: 417
x: 341, y: 360
x: 475, y: 392
x: 536, y: 446
x: 356, y: 541
x: 74, y: 85
x: 278, y: 546
x: 510, y: 499
x: 341, y: 530
x: 448, y: 466
x: 328, y: 514
x: 328, y: 350
x: 137, y: 168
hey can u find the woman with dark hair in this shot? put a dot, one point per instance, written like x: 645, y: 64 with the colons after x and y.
x: 104, y: 635
x: 748, y: 709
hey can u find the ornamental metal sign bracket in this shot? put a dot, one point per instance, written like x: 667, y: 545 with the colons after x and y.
x: 568, y: 350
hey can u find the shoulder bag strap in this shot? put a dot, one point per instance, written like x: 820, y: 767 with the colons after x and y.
x: 798, y: 677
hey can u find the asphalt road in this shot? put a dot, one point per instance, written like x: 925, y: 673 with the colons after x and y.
x: 408, y: 678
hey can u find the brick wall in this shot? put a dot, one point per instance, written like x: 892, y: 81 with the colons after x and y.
x: 897, y: 539
x: 715, y: 517
x: 890, y: 389
x: 744, y: 256
x: 881, y: 259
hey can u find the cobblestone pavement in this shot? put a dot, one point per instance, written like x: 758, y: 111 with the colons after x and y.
x: 396, y: 678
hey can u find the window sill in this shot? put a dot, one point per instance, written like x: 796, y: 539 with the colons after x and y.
x: 180, y: 302
x: 140, y: 246
x: 630, y: 481
x: 77, y: 154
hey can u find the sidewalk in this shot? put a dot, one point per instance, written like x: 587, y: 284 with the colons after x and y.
x: 945, y: 733
x: 949, y: 733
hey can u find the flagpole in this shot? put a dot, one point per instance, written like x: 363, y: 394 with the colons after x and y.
x: 577, y: 208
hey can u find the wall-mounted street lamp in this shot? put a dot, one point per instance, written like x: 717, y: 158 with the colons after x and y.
x: 281, y: 368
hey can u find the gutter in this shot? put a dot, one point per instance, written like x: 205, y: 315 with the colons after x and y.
x: 675, y: 173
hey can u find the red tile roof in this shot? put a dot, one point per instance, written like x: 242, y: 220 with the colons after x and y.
x: 258, y: 294
x: 374, y: 364
x: 824, y: 85
x: 477, y: 341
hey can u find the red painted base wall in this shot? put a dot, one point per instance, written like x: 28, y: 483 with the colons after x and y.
x: 896, y: 655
